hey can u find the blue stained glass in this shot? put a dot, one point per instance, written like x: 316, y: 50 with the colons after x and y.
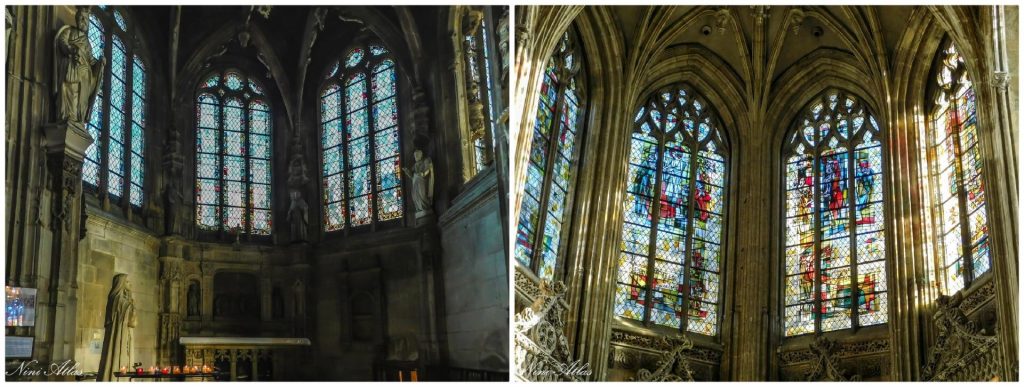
x: 120, y: 20
x: 96, y: 41
x: 259, y: 118
x: 355, y: 92
x: 118, y: 65
x: 255, y: 87
x: 332, y: 161
x: 359, y: 211
x: 233, y: 81
x: 259, y: 171
x: 359, y: 152
x: 385, y: 114
x: 330, y: 103
x: 356, y: 124
x: 384, y: 81
x: 387, y: 143
x: 388, y: 174
x: 359, y: 181
x: 334, y: 69
x: 212, y: 81
x: 354, y: 58
x: 377, y: 50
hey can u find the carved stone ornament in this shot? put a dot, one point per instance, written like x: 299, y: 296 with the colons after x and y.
x: 68, y: 180
x: 962, y: 351
x: 674, y: 365
x: 826, y: 367
x: 541, y: 352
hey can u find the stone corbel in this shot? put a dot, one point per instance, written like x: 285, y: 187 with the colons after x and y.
x: 796, y: 18
x: 674, y: 365
x: 826, y: 364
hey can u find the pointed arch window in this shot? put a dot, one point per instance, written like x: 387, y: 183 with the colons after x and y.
x: 834, y: 255
x: 233, y: 148
x: 114, y: 164
x: 482, y: 100
x: 360, y: 140
x: 671, y: 251
x: 956, y: 168
x: 553, y: 154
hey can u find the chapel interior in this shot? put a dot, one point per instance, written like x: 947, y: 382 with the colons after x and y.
x: 257, y: 192
x: 765, y: 193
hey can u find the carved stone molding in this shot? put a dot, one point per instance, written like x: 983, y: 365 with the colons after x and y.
x: 67, y: 174
x: 527, y: 287
x: 846, y: 349
x: 1001, y: 80
x: 541, y: 351
x: 962, y: 351
x: 674, y: 365
x: 978, y: 298
x: 695, y: 352
x: 826, y: 362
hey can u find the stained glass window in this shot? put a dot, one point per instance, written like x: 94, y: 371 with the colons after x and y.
x: 956, y: 169
x: 115, y: 159
x: 233, y: 148
x: 834, y: 253
x: 553, y: 152
x: 360, y: 138
x: 481, y: 82
x: 671, y: 251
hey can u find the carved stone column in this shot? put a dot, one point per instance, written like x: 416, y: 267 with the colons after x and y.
x: 1002, y: 191
x: 57, y: 297
x: 170, y: 311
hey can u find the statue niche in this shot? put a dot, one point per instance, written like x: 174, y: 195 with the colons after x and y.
x: 194, y: 296
x: 422, y: 176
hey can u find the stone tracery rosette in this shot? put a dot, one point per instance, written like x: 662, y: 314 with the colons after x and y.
x: 962, y: 351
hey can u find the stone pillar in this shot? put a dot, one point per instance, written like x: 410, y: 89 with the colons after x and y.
x: 57, y: 299
x: 171, y: 286
x: 1001, y: 168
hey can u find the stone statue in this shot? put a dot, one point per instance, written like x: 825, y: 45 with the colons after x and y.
x: 77, y: 77
x: 120, y: 320
x: 298, y: 215
x: 422, y: 175
x: 172, y: 198
x: 193, y: 299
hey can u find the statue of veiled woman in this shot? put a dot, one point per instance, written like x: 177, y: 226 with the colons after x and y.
x: 118, y: 325
x: 422, y: 175
x: 77, y: 75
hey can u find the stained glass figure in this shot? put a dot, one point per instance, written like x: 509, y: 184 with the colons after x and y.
x: 834, y: 255
x: 670, y: 256
x: 360, y: 138
x: 956, y: 169
x: 233, y: 148
x: 114, y: 163
x: 549, y: 174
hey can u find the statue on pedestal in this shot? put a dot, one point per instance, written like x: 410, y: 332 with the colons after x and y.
x: 77, y: 76
x: 118, y: 325
x: 422, y: 175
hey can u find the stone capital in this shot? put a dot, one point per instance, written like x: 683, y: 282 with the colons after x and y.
x: 67, y: 138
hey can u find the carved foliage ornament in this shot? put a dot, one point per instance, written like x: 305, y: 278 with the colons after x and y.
x: 541, y: 349
x: 962, y: 351
x: 673, y: 366
x: 826, y: 366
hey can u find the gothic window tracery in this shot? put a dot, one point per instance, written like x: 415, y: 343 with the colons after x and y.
x: 956, y: 170
x: 671, y: 253
x: 834, y: 256
x: 233, y: 148
x: 360, y: 140
x: 553, y: 153
x: 114, y: 163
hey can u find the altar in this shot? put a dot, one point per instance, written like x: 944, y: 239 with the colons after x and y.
x: 249, y: 358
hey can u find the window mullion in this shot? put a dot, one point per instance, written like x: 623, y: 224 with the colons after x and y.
x: 126, y: 151
x: 655, y: 219
x: 688, y: 248
x: 967, y: 264
x: 104, y: 148
x: 852, y: 218
x: 545, y: 191
x: 816, y: 211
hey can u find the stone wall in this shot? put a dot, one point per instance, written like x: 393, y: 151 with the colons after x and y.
x: 112, y: 246
x: 476, y: 279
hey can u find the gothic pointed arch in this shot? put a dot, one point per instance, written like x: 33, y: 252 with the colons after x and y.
x: 834, y: 258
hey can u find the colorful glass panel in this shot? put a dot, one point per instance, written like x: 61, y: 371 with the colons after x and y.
x: 834, y: 254
x: 963, y: 220
x: 233, y: 148
x: 543, y: 212
x: 360, y: 138
x: 673, y: 216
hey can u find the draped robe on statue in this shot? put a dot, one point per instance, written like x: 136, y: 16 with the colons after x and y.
x: 76, y: 75
x: 117, y: 338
